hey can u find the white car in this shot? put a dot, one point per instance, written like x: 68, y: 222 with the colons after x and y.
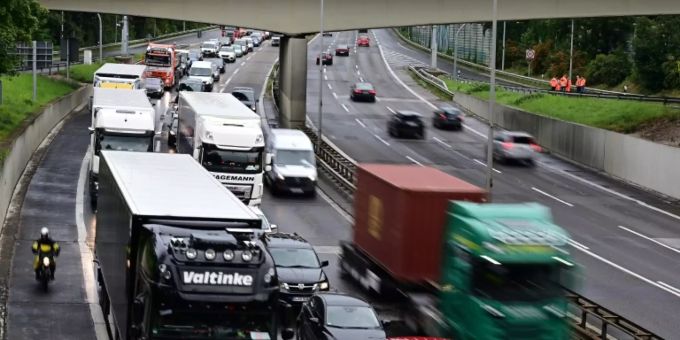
x: 249, y: 44
x: 203, y: 70
x: 209, y: 49
x: 227, y: 54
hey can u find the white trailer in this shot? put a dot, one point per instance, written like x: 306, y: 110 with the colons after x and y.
x: 226, y: 137
x: 121, y: 120
x: 119, y: 76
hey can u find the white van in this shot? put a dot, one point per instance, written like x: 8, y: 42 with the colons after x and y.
x: 293, y: 163
x: 203, y: 70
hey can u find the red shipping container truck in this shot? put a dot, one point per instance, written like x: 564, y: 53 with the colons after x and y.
x: 406, y: 241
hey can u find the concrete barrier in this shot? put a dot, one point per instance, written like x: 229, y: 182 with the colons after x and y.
x: 644, y: 163
x: 24, y: 145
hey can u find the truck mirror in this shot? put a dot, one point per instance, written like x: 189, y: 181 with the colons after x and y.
x: 268, y: 159
x: 324, y: 263
x: 274, y: 228
x: 386, y: 323
x: 91, y: 129
x: 287, y: 334
x: 267, y: 168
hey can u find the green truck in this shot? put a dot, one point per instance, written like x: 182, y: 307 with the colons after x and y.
x: 456, y: 266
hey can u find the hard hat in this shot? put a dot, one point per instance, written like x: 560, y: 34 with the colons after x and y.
x: 44, y: 231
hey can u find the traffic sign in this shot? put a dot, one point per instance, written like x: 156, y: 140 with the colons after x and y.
x: 531, y: 54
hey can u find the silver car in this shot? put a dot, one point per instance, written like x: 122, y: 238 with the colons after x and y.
x: 515, y: 146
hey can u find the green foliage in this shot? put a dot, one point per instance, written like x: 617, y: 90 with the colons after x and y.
x: 82, y: 73
x: 656, y: 44
x: 17, y: 103
x: 610, y: 69
x: 18, y: 22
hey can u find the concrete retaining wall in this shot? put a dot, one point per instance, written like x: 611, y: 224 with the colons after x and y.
x: 647, y: 164
x: 22, y: 147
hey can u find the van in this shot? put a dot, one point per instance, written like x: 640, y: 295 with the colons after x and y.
x: 203, y: 70
x: 293, y: 165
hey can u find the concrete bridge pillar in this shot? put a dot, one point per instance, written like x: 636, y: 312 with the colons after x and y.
x: 292, y: 81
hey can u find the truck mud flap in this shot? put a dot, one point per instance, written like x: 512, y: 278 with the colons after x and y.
x: 367, y: 274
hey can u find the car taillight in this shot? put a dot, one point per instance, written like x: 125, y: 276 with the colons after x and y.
x: 442, y: 116
x: 371, y: 91
x: 357, y: 91
x: 536, y: 147
x: 507, y: 145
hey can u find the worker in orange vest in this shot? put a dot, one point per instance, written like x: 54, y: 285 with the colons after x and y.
x: 553, y: 84
x: 580, y: 84
x: 563, y: 83
x: 568, y: 85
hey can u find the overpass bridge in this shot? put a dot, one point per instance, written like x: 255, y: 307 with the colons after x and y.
x: 295, y: 18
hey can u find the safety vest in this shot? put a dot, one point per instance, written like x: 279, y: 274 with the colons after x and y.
x: 581, y: 82
x: 553, y: 82
x: 563, y: 82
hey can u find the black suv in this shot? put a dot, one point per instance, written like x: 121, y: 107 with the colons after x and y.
x: 298, y: 267
x: 404, y: 123
x: 247, y: 96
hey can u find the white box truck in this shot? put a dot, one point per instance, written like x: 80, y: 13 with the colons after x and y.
x: 119, y: 76
x: 226, y: 137
x: 121, y: 120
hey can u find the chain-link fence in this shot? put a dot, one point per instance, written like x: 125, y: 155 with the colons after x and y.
x: 474, y: 42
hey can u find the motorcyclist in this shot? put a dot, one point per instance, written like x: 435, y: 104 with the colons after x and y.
x: 45, y: 246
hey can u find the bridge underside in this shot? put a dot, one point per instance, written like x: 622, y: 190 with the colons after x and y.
x: 295, y: 17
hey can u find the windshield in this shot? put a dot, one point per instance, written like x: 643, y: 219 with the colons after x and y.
x: 208, y: 45
x: 294, y: 258
x: 191, y: 86
x: 517, y: 282
x: 157, y: 60
x: 193, y: 55
x: 200, y: 72
x: 295, y: 157
x: 523, y: 140
x: 217, y: 160
x: 235, y: 324
x: 227, y: 49
x: 351, y: 317
x: 244, y: 96
x: 119, y: 142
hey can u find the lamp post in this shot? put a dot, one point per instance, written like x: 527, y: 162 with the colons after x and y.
x: 571, y: 50
x: 455, y: 51
x: 503, y: 58
x: 433, y: 47
x: 320, y: 141
x: 492, y: 97
x: 100, y: 37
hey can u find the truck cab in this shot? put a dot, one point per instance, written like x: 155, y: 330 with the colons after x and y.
x: 504, y: 266
x: 293, y: 165
x: 119, y: 76
x: 161, y: 62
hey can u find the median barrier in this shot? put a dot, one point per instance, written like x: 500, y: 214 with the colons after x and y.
x: 21, y: 149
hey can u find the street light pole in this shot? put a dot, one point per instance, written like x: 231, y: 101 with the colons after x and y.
x: 455, y: 51
x: 320, y: 141
x: 433, y: 47
x: 492, y: 98
x: 100, y: 38
x: 571, y: 49
x: 503, y: 59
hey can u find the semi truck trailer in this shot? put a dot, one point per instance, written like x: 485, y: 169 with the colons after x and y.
x: 226, y: 137
x: 178, y: 255
x: 121, y: 120
x: 457, y: 267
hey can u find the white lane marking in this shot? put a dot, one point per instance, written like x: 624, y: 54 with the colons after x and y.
x: 325, y: 77
x: 484, y: 165
x: 335, y: 95
x: 414, y: 161
x: 578, y: 245
x: 356, y: 67
x: 249, y: 57
x: 442, y: 142
x: 236, y: 71
x: 650, y: 239
x: 329, y: 86
x: 467, y: 127
x: 361, y: 79
x: 671, y: 290
x: 551, y: 196
x: 358, y: 72
x: 244, y: 63
x: 669, y: 286
x: 86, y: 256
x: 382, y: 140
x: 335, y: 206
x: 157, y: 148
x: 345, y: 107
x: 389, y: 109
x: 324, y: 69
x: 377, y: 99
x: 394, y: 75
x: 360, y: 122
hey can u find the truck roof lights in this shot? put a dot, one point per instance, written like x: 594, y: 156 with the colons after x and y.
x: 228, y: 255
x: 210, y: 254
x: 191, y: 253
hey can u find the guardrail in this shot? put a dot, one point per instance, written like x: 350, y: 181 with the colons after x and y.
x: 543, y: 84
x: 434, y: 81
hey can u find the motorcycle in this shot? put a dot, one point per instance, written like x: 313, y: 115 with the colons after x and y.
x: 45, y: 272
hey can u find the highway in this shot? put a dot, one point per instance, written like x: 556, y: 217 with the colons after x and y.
x: 625, y: 238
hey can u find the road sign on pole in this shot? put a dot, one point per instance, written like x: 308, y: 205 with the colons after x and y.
x: 530, y: 54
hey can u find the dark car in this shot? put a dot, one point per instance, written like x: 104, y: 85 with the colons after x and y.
x: 172, y: 132
x: 194, y: 56
x: 342, y: 50
x: 218, y: 62
x: 406, y: 123
x: 298, y: 267
x: 192, y: 84
x: 448, y: 118
x: 154, y: 87
x: 327, y: 58
x: 363, y: 41
x: 362, y: 92
x: 246, y: 95
x: 338, y: 316
x: 276, y: 41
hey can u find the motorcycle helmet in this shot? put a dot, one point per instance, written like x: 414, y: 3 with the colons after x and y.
x: 44, y: 232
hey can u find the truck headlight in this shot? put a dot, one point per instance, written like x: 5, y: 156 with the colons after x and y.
x: 270, y: 275
x: 191, y: 253
x: 283, y: 286
x: 312, y: 178
x: 209, y: 254
x: 247, y: 256
x: 228, y: 255
x: 323, y: 285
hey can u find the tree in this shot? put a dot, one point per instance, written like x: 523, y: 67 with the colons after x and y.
x: 610, y: 69
x: 19, y: 21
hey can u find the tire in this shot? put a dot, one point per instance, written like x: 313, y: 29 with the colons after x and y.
x: 311, y: 194
x: 45, y: 280
x: 422, y: 134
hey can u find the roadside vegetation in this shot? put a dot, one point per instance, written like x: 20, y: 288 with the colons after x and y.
x: 18, y: 107
x: 623, y: 116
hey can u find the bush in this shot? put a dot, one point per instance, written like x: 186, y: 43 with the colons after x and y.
x: 610, y: 69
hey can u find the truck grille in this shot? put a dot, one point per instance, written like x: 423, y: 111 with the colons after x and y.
x: 242, y: 192
x: 297, y: 182
x: 301, y: 288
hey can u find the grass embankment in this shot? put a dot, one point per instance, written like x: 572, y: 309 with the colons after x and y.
x: 18, y: 106
x: 625, y: 116
x: 84, y: 73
